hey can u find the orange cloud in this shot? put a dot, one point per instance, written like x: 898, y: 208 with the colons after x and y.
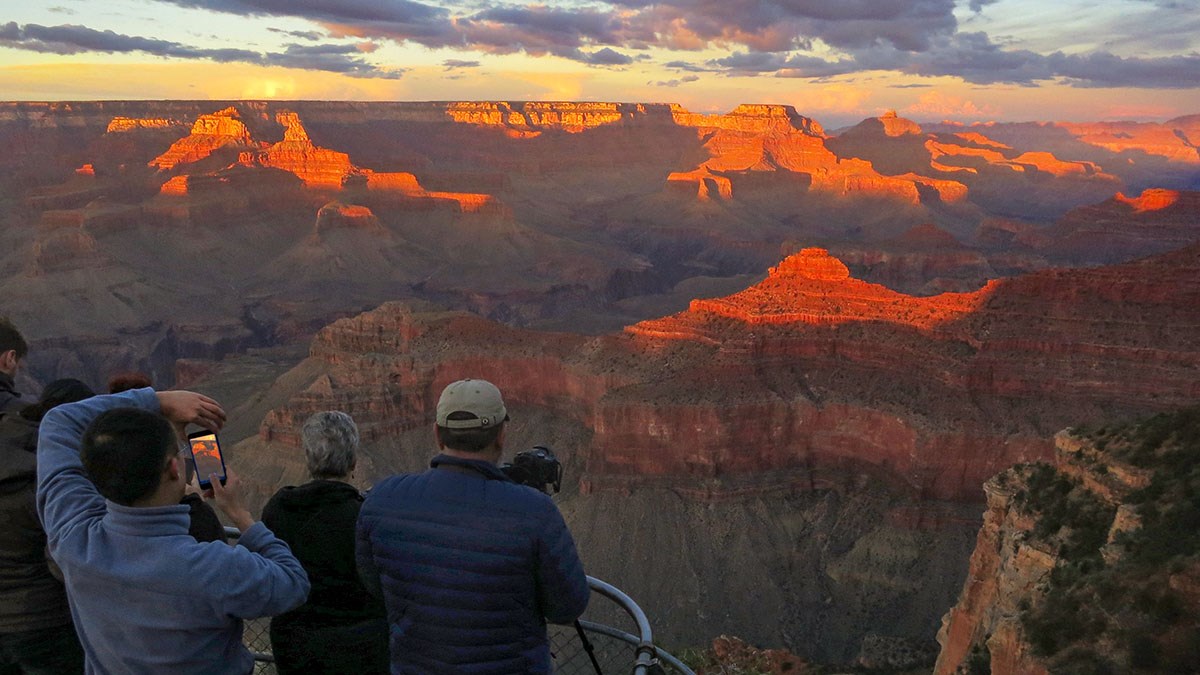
x: 937, y: 103
x: 835, y: 98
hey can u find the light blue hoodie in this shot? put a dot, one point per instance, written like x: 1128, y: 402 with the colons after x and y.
x: 147, y: 597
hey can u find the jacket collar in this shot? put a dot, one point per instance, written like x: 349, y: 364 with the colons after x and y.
x: 487, y: 469
x: 8, y: 384
x: 147, y: 521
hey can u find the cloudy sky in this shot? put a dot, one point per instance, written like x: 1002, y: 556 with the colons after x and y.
x: 835, y: 60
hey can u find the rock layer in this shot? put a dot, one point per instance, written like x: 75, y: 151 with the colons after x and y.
x: 808, y: 371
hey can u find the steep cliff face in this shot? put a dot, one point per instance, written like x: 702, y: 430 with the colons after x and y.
x: 986, y: 170
x: 1122, y: 228
x: 528, y: 119
x: 220, y: 130
x: 837, y: 431
x: 317, y: 167
x: 762, y: 139
x: 927, y: 260
x: 813, y: 371
x: 1089, y: 565
x: 123, y: 124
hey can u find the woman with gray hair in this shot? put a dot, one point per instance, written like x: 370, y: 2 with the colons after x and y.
x: 341, y: 629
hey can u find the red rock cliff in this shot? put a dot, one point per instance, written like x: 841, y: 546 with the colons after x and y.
x: 223, y: 129
x: 806, y: 374
x: 317, y: 167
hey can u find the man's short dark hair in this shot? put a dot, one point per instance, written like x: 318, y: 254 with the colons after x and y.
x: 468, y: 440
x: 126, y: 381
x: 11, y: 338
x: 124, y: 452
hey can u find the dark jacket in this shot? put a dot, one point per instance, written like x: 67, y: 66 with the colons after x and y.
x: 203, y: 522
x: 471, y: 567
x: 30, y: 597
x: 341, y: 629
x: 10, y: 398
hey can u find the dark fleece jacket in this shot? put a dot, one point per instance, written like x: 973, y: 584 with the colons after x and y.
x: 30, y: 597
x: 341, y: 628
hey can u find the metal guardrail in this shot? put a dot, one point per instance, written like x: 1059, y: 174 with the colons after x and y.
x: 612, y: 650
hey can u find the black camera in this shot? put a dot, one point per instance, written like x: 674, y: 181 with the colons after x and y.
x: 538, y: 468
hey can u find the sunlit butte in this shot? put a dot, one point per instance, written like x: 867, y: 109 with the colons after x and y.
x: 812, y: 287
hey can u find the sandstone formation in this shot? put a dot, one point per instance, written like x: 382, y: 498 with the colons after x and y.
x: 1087, y: 564
x: 752, y: 118
x: 926, y: 260
x: 994, y: 172
x: 753, y: 140
x: 124, y: 124
x: 336, y: 215
x: 528, y: 118
x: 317, y: 167
x: 1123, y: 227
x: 220, y: 130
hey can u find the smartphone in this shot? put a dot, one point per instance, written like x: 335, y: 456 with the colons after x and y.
x: 206, y: 457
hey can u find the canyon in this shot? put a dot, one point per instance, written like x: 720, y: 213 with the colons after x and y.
x: 784, y: 405
x: 767, y: 352
x: 1087, y: 563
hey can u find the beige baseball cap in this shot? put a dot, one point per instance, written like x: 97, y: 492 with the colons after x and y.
x: 477, y: 397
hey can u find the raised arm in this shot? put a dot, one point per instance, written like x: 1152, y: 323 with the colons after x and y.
x: 267, y: 584
x: 65, y: 496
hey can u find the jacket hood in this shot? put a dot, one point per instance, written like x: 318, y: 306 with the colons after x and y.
x: 316, y: 495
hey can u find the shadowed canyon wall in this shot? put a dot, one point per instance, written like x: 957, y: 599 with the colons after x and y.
x: 810, y: 392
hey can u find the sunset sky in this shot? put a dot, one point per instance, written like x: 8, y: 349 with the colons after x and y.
x: 835, y: 60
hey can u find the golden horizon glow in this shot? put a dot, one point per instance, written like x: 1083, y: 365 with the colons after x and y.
x: 152, y: 50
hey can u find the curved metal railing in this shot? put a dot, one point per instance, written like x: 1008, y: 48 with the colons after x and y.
x: 591, y: 647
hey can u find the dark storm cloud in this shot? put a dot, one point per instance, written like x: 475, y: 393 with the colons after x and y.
x: 78, y: 39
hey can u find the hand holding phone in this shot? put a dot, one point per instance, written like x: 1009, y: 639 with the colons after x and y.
x: 232, y: 501
x: 206, y: 457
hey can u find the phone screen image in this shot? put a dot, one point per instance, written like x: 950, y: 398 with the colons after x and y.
x: 206, y: 456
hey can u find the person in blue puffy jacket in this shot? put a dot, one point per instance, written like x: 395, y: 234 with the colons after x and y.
x: 471, y: 566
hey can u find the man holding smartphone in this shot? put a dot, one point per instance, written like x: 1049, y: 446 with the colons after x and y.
x: 146, y: 596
